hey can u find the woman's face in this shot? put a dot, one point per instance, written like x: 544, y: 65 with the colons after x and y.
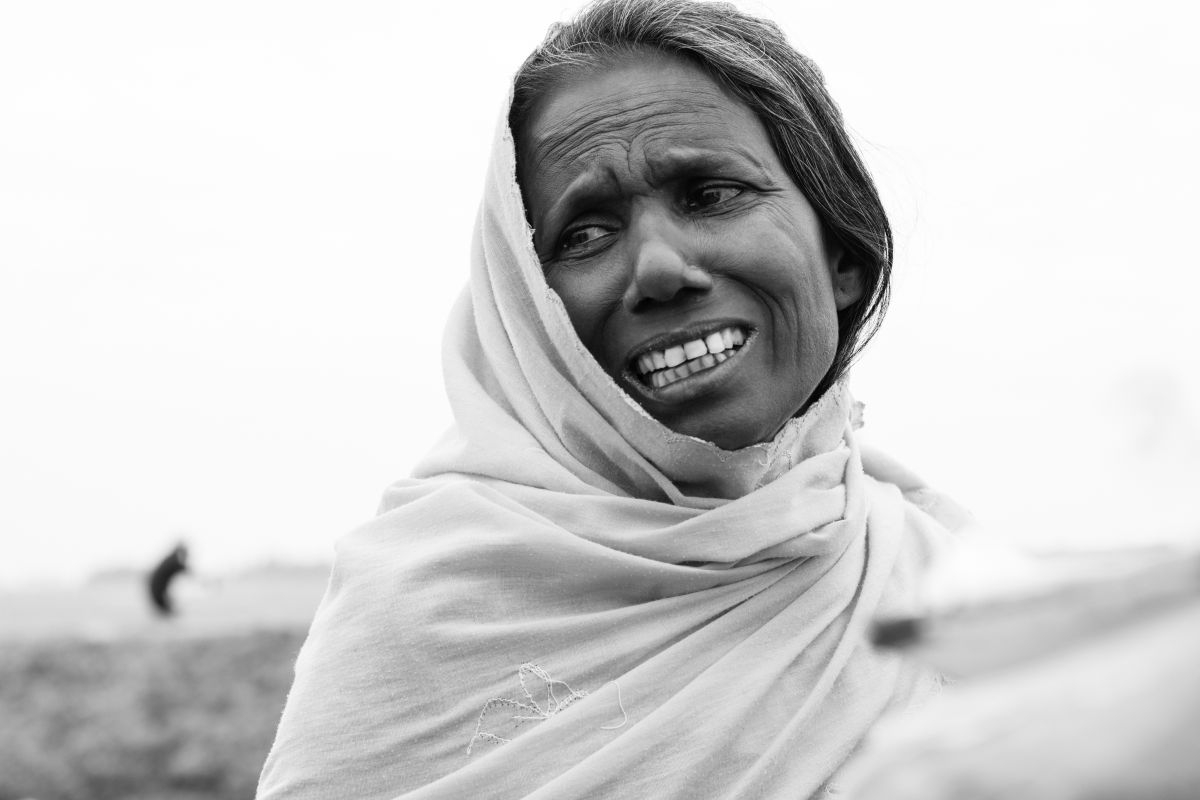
x: 691, y: 265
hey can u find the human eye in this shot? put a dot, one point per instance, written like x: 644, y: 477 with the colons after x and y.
x: 710, y: 195
x: 580, y: 238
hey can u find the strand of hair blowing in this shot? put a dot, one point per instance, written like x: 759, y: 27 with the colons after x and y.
x: 752, y: 58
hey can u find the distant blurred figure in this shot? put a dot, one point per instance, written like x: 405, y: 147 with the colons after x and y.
x: 161, y: 577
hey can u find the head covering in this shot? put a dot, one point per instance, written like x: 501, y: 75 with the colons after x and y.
x: 569, y: 600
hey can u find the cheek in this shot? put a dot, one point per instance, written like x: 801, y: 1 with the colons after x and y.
x: 818, y: 328
x: 589, y: 296
x: 794, y: 281
x: 793, y: 278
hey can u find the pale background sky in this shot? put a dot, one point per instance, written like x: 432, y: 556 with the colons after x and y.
x: 230, y: 233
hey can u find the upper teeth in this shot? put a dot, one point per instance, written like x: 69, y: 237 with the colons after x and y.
x: 714, y: 343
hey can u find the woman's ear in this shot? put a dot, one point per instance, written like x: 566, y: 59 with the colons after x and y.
x: 849, y: 279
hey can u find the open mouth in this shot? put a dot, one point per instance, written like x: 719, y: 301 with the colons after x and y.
x: 659, y: 368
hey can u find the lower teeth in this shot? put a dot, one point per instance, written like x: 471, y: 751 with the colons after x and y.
x: 699, y: 364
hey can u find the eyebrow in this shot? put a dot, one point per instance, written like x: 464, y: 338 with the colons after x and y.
x: 675, y: 161
x: 592, y: 182
x: 665, y: 166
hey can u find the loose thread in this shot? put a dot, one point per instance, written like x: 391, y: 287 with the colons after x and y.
x: 535, y: 712
x: 621, y: 705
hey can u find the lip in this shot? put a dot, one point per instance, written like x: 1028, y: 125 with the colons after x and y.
x: 699, y: 383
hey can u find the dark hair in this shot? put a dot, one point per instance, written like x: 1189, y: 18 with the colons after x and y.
x: 751, y: 57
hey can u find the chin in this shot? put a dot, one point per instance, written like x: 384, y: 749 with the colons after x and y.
x: 727, y: 435
x: 733, y: 441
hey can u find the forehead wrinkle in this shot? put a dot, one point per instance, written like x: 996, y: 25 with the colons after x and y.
x: 609, y: 121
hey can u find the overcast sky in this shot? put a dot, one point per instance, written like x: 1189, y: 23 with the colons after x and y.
x: 230, y: 233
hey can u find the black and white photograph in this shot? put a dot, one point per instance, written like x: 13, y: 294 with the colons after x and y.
x: 667, y: 399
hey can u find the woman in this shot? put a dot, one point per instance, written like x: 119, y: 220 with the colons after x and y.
x: 642, y: 562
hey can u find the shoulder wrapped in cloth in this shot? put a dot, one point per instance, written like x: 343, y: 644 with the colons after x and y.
x: 571, y: 601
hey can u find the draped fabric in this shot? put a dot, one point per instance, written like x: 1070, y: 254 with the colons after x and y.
x: 569, y: 600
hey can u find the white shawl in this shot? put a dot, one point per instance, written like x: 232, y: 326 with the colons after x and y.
x: 569, y: 600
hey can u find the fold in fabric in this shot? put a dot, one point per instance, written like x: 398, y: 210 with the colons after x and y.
x: 569, y: 600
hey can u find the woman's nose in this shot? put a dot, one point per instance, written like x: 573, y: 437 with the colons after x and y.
x: 662, y: 273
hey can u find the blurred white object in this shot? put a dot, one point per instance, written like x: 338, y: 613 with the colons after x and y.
x: 987, y: 606
x: 1082, y: 681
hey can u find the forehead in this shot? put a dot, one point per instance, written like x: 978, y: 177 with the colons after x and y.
x: 643, y: 101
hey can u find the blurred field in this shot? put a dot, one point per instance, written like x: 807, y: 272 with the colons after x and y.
x: 99, y: 700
